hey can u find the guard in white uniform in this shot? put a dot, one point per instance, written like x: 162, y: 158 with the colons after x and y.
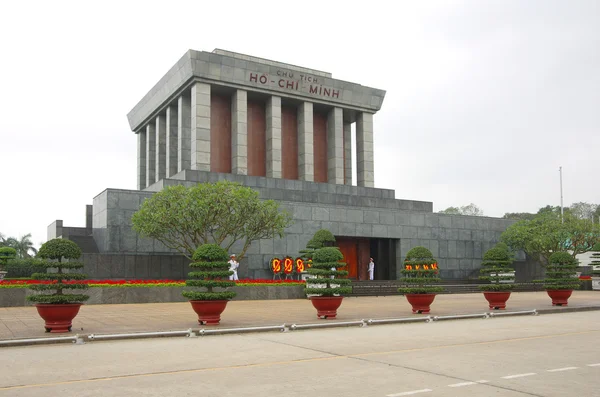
x: 233, y: 266
x: 371, y: 269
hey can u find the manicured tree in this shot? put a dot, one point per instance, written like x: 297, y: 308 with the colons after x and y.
x: 322, y: 238
x: 213, y: 272
x: 498, y: 275
x: 595, y: 263
x: 327, y: 288
x: 59, y: 308
x: 561, y: 277
x: 419, y: 275
x: 6, y: 253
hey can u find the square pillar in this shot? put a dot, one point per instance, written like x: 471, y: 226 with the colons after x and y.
x: 239, y: 132
x: 150, y: 153
x: 172, y: 141
x: 335, y: 147
x: 141, y: 159
x: 365, y: 170
x: 306, y: 161
x: 347, y: 153
x: 200, y: 127
x: 184, y: 140
x: 274, y: 141
x: 161, y: 147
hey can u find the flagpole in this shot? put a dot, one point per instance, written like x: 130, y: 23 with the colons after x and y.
x: 562, y: 220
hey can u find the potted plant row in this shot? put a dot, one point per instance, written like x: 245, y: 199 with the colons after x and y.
x: 561, y: 277
x: 419, y: 276
x: 498, y: 275
x: 54, y: 304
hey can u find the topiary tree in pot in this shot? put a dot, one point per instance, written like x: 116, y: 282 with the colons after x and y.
x: 58, y: 309
x: 327, y: 288
x: 595, y: 263
x: 213, y: 272
x: 500, y: 277
x: 6, y: 253
x: 419, y: 275
x: 561, y: 277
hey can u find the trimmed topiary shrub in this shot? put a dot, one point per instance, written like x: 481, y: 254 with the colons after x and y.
x: 55, y: 252
x: 6, y: 253
x: 327, y: 281
x: 213, y: 272
x: 595, y: 261
x: 496, y: 269
x: 561, y: 272
x: 420, y: 273
x: 322, y: 238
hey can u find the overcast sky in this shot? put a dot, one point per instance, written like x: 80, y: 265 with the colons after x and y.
x: 485, y: 99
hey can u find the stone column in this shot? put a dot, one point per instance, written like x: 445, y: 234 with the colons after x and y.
x: 274, y: 148
x: 184, y: 140
x: 239, y: 132
x: 161, y: 147
x: 150, y: 153
x: 306, y: 161
x: 365, y: 170
x: 335, y: 146
x: 141, y: 159
x: 347, y: 153
x: 200, y: 127
x: 172, y: 141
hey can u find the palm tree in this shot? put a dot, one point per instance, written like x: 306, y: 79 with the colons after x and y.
x: 22, y: 246
x: 2, y: 240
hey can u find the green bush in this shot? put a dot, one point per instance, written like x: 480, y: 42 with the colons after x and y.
x: 322, y: 238
x: 497, y: 261
x: 596, y: 263
x: 213, y: 272
x: 420, y: 272
x: 24, y: 268
x: 327, y: 282
x: 55, y: 252
x: 561, y: 272
x: 596, y: 247
x: 6, y: 253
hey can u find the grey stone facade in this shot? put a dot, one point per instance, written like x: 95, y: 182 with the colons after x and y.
x: 351, y: 211
x: 173, y: 124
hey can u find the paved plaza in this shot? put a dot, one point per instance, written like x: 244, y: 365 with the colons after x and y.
x: 546, y: 355
x: 24, y: 322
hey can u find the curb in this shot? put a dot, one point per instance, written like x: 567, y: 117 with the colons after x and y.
x: 80, y: 339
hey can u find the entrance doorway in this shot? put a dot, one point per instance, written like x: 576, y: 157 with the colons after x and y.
x: 358, y: 250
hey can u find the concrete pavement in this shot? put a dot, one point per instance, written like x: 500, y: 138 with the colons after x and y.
x: 24, y: 322
x: 548, y: 355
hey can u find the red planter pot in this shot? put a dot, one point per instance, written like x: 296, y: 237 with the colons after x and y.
x: 209, y: 312
x: 559, y: 296
x: 58, y: 317
x: 497, y: 299
x: 326, y: 305
x: 420, y: 302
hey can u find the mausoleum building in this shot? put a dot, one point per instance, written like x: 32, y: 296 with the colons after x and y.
x: 286, y: 131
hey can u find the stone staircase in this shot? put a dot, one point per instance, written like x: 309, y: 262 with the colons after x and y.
x: 390, y: 287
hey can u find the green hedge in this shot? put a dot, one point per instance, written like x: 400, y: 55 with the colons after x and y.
x: 24, y: 268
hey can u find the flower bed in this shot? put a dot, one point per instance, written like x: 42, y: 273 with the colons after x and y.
x: 147, y: 283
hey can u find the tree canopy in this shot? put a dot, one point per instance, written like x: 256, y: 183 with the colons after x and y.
x: 23, y: 246
x: 470, y: 209
x: 222, y: 213
x: 546, y: 234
